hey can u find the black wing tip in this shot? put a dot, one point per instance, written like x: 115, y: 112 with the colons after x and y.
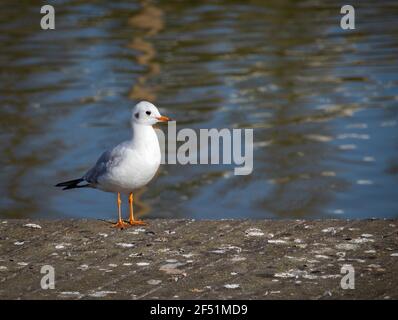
x: 76, y: 187
x: 71, y: 184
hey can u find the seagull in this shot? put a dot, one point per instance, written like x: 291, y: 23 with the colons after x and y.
x: 128, y: 166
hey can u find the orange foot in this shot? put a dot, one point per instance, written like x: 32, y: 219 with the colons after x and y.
x: 137, y: 223
x: 120, y: 224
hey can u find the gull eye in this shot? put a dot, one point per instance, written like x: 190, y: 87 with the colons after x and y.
x: 137, y: 115
x: 148, y: 113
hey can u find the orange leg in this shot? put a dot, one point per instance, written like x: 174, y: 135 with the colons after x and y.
x: 120, y: 224
x: 132, y: 221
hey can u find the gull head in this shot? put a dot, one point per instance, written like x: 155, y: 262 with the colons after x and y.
x: 145, y: 113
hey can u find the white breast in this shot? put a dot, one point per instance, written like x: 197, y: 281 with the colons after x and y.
x: 138, y: 163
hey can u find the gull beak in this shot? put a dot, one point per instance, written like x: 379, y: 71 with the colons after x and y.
x: 163, y: 119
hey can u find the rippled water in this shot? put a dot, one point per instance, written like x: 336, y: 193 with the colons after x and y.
x: 322, y: 102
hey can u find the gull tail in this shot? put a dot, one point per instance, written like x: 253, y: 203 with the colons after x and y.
x: 72, y: 184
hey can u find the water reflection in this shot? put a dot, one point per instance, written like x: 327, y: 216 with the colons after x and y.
x: 146, y: 23
x: 322, y: 102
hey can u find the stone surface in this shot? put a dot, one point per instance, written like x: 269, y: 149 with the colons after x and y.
x: 185, y: 259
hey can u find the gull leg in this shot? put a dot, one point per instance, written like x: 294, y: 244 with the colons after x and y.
x: 132, y: 221
x: 119, y: 224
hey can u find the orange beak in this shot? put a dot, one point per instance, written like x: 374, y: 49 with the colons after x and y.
x: 163, y: 119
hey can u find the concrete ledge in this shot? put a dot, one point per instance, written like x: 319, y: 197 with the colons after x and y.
x: 185, y: 259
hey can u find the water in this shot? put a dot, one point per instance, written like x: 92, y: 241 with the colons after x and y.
x: 322, y: 102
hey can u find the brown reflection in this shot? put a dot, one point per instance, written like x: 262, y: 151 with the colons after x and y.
x: 147, y: 23
x: 140, y: 206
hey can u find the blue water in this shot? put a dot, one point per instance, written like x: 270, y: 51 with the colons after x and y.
x: 322, y: 102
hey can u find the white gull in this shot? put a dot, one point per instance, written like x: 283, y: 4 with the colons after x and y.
x: 128, y: 166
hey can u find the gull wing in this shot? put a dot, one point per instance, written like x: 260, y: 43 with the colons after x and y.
x: 105, y: 162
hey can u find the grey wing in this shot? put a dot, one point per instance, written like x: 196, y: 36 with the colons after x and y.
x: 100, y: 168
